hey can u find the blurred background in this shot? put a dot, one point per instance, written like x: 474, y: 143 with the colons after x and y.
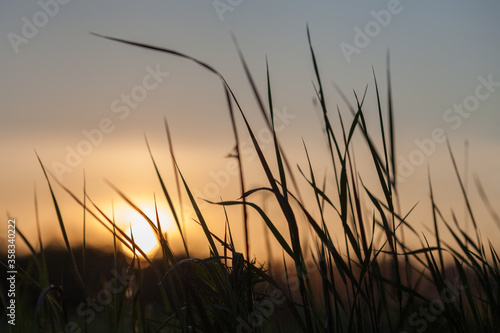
x: 84, y: 103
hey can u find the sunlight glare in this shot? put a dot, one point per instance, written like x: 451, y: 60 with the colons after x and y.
x: 144, y: 236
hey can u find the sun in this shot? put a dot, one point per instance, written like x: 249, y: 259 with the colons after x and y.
x: 136, y: 225
x: 144, y: 238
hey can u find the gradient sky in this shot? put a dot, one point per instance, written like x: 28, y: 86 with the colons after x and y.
x: 61, y: 80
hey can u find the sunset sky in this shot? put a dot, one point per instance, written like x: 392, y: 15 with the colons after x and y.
x: 64, y: 91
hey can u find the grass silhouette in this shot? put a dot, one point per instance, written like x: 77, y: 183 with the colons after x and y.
x: 373, y: 282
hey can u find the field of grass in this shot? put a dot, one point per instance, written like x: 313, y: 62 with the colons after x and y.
x: 369, y: 280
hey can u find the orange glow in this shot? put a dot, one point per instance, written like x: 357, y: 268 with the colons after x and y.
x: 144, y: 238
x: 136, y: 226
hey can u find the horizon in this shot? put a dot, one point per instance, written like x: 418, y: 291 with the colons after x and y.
x: 84, y: 103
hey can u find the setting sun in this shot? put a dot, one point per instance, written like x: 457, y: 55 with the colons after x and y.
x: 144, y: 237
x: 135, y: 225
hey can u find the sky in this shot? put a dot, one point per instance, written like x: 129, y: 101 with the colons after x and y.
x: 84, y: 104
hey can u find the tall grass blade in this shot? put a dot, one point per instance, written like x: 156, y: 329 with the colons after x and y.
x: 199, y: 214
x: 462, y: 188
x: 168, y: 197
x: 61, y: 225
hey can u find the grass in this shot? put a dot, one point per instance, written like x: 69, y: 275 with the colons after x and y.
x: 369, y: 280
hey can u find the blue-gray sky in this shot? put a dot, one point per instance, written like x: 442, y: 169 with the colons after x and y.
x: 58, y: 80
